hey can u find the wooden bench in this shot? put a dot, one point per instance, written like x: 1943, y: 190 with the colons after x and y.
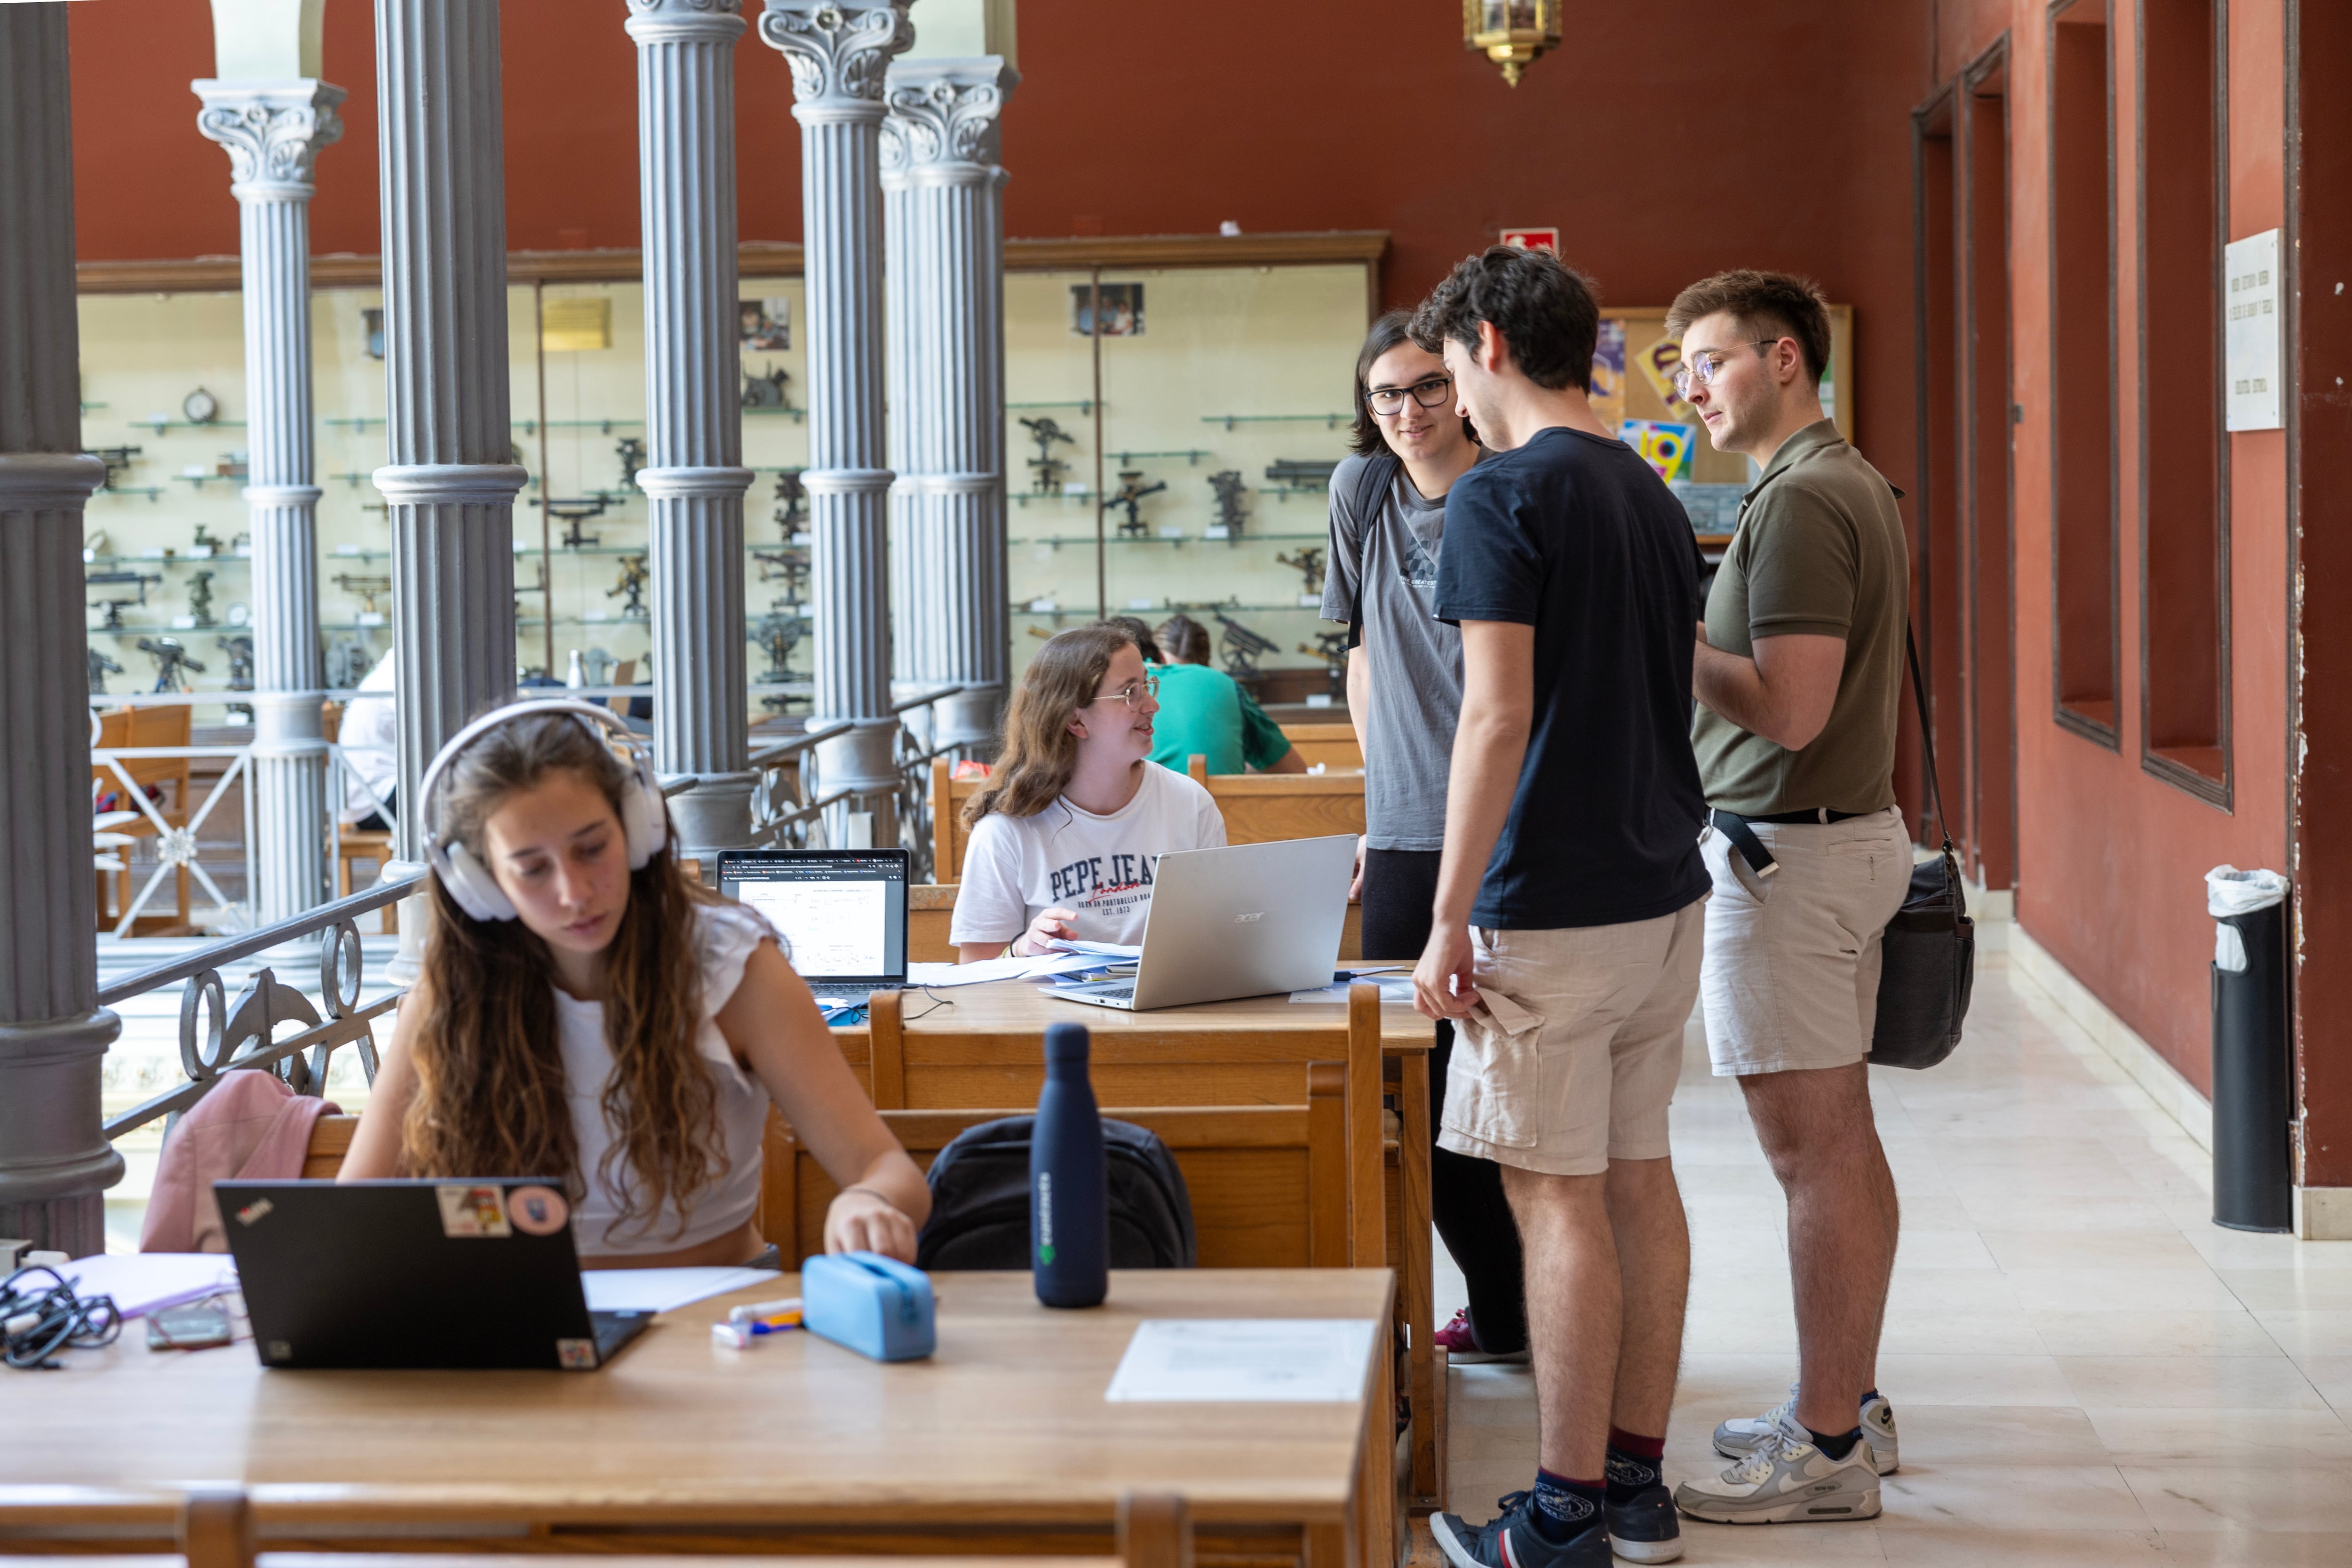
x: 1333, y: 745
x: 1268, y: 1183
x: 211, y: 1525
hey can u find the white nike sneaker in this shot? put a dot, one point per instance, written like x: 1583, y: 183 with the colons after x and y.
x: 1785, y: 1479
x: 1738, y: 1438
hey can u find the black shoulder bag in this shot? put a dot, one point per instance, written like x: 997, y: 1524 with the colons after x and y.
x: 1372, y: 484
x: 1928, y: 954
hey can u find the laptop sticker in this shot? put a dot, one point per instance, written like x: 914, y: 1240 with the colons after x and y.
x: 536, y: 1210
x: 472, y: 1211
x: 576, y: 1355
x: 253, y: 1212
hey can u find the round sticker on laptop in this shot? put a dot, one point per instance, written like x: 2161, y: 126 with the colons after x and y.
x: 536, y: 1211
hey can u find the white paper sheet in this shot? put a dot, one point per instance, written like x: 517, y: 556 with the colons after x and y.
x: 144, y: 1282
x: 939, y: 975
x: 665, y: 1289
x: 1393, y: 988
x: 1244, y: 1360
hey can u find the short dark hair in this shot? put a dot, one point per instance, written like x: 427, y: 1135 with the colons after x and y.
x: 1778, y: 302
x: 1545, y: 309
x: 1140, y: 634
x: 1186, y: 640
x: 1364, y: 438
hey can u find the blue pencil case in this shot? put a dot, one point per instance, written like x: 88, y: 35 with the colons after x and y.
x: 874, y: 1305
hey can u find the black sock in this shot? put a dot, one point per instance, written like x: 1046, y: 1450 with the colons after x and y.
x: 1630, y: 1474
x: 1838, y: 1446
x: 1873, y: 1393
x: 1564, y: 1509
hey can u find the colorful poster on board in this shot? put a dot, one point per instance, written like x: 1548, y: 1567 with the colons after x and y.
x: 1665, y: 447
x: 1658, y: 362
x: 1609, y: 371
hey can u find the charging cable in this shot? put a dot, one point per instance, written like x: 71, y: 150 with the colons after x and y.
x: 36, y: 1320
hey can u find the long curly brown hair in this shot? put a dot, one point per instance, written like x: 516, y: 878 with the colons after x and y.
x: 491, y: 1093
x: 1040, y: 753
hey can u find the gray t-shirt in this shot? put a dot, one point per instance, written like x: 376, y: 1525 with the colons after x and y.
x: 1416, y: 659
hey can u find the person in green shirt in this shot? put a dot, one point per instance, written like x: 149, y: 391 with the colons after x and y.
x: 1204, y: 711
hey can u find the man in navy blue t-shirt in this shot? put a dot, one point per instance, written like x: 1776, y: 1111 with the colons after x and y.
x: 1573, y: 814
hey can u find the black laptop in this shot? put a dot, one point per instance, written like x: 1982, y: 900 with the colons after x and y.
x: 416, y: 1274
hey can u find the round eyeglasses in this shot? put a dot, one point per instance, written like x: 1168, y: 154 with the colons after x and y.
x: 1133, y: 693
x: 1706, y: 366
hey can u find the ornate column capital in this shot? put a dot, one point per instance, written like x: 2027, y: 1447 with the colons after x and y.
x: 945, y: 113
x: 273, y: 130
x: 685, y: 21
x: 839, y: 51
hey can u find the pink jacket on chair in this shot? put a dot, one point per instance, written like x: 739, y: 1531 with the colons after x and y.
x: 252, y: 1126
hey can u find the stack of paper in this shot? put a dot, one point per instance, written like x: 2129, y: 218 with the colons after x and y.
x: 144, y: 1282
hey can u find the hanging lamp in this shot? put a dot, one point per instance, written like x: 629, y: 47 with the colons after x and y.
x: 1511, y: 33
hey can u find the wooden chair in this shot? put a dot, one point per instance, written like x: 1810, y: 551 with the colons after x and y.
x: 167, y: 725
x: 1333, y: 745
x: 212, y: 1526
x: 356, y: 844
x: 1268, y: 1183
x: 1259, y: 809
x: 624, y: 674
x: 930, y: 907
x: 330, y: 1139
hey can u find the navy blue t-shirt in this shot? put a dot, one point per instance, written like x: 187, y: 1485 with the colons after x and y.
x: 1574, y: 535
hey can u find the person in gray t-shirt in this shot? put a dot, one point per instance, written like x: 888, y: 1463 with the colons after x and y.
x: 1404, y: 693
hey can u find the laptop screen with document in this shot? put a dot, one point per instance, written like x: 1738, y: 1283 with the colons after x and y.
x: 843, y: 911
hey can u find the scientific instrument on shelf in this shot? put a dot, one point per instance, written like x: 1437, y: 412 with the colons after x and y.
x: 633, y: 580
x: 1047, y: 469
x: 1301, y: 473
x: 792, y: 499
x: 789, y: 567
x: 766, y: 390
x: 117, y: 460
x: 1231, y: 494
x: 1129, y: 496
x: 207, y: 544
x: 632, y: 451
x: 100, y: 667
x: 200, y: 597
x: 172, y: 663
x: 1331, y: 648
x: 347, y: 663
x: 233, y: 466
x: 1242, y: 648
x: 777, y: 634
x: 573, y: 511
x: 597, y: 664
x: 1308, y: 563
x: 114, y: 607
x: 239, y: 649
x: 199, y: 407
x: 366, y: 589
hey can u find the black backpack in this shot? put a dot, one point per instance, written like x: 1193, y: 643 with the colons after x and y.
x: 979, y: 1200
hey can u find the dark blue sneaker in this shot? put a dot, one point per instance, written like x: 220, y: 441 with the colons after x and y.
x: 1511, y: 1540
x: 1644, y: 1528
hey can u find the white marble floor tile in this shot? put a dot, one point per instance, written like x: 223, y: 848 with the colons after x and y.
x: 2267, y: 1498
x: 1999, y: 1498
x: 2096, y: 1249
x: 2309, y: 1334
x: 2136, y: 1333
x: 2221, y: 1436
x: 2089, y: 1291
x: 1963, y: 1546
x: 2271, y: 1549
x: 1972, y: 1380
x: 2289, y: 1290
x: 2190, y: 1382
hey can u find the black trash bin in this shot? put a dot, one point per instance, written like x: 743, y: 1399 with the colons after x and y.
x: 2253, y: 1081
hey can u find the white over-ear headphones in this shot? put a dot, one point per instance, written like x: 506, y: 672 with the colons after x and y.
x: 645, y: 814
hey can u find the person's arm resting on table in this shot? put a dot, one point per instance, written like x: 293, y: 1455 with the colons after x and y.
x: 1490, y: 744
x: 1784, y: 693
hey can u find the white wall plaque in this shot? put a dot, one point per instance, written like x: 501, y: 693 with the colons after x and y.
x: 2251, y: 333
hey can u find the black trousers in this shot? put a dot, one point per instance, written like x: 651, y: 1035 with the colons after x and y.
x: 1466, y: 1192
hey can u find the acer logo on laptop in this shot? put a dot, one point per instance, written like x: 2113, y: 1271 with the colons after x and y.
x: 1253, y: 915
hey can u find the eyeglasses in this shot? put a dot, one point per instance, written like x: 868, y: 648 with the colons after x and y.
x: 1133, y: 693
x: 1389, y: 401
x: 1706, y: 366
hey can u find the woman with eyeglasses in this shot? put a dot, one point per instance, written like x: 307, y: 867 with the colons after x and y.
x: 1404, y: 695
x: 1075, y: 814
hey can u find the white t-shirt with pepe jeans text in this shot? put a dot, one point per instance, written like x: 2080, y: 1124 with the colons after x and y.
x: 1100, y: 867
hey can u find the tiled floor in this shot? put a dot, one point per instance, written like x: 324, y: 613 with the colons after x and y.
x: 2086, y: 1371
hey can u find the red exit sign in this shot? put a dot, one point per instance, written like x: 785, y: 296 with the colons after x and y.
x: 1533, y: 239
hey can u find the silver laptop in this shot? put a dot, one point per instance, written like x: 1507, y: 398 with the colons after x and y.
x: 844, y: 912
x: 1244, y: 920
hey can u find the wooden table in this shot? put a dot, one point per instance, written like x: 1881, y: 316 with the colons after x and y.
x: 979, y: 1047
x: 1002, y: 1443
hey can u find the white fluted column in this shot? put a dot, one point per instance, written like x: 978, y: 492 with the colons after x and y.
x: 449, y: 485
x: 946, y: 241
x: 839, y: 50
x: 273, y: 131
x: 55, y: 1161
x: 694, y: 482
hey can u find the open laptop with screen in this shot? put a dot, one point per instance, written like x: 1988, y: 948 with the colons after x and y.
x: 1248, y: 920
x: 843, y: 911
x: 416, y: 1274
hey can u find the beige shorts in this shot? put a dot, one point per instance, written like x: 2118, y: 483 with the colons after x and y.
x: 1790, y: 982
x: 1569, y: 1059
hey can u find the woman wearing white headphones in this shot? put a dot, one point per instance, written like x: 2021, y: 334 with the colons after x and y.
x: 590, y: 1013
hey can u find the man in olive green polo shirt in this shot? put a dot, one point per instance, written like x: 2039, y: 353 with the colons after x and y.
x: 1799, y: 677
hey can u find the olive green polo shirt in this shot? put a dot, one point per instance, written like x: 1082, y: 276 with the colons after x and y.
x: 1819, y: 549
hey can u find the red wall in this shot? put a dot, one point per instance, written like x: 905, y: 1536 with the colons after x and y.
x: 1652, y: 141
x: 2111, y: 859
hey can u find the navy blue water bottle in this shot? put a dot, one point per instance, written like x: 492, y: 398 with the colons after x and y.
x: 1069, y: 1198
